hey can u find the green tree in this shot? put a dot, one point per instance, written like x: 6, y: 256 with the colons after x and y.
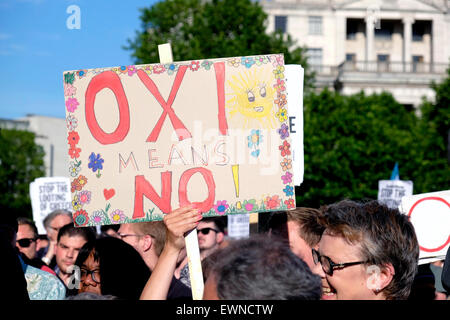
x: 433, y: 140
x: 21, y: 162
x: 351, y: 142
x: 200, y: 29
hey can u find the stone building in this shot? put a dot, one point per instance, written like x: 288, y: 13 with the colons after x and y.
x: 398, y: 46
x: 51, y: 134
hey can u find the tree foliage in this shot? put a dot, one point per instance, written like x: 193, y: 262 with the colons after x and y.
x: 351, y: 142
x: 434, y: 139
x: 200, y: 29
x: 21, y: 162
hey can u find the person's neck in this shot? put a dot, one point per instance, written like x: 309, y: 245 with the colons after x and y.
x: 206, y: 252
x: 65, y: 277
x: 150, y: 260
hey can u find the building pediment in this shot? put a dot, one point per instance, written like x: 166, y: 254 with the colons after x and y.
x: 392, y: 5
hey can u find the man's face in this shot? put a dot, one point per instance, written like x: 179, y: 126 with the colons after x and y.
x: 26, y: 234
x: 67, y: 251
x: 298, y: 245
x: 209, y: 240
x: 57, y: 223
x: 127, y: 233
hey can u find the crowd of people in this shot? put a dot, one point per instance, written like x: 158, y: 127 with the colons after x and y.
x: 348, y: 250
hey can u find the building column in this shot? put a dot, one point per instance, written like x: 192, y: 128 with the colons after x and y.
x: 407, y: 38
x: 370, y: 35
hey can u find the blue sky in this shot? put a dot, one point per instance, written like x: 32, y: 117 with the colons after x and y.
x: 36, y: 46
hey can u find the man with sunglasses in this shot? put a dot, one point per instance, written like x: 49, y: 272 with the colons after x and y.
x: 210, y: 233
x: 27, y: 241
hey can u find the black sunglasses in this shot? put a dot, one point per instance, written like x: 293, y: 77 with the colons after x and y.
x: 25, y: 242
x: 328, y: 265
x: 205, y: 231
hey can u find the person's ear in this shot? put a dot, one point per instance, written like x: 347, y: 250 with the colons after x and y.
x: 219, y: 237
x: 381, y: 277
x: 147, y: 242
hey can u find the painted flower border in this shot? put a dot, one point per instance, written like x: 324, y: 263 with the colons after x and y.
x: 221, y: 207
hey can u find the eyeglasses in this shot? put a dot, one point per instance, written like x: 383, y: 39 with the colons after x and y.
x: 328, y: 265
x: 95, y: 275
x: 25, y: 242
x: 123, y: 235
x: 205, y: 231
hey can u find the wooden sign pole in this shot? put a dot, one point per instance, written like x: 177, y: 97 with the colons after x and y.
x: 192, y: 249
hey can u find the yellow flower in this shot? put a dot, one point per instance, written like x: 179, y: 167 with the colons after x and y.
x: 238, y: 205
x: 282, y: 115
x: 76, y: 204
x: 279, y: 72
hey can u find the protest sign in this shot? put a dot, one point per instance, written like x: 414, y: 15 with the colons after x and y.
x: 47, y: 195
x: 391, y: 192
x: 430, y: 215
x: 238, y: 226
x: 144, y: 140
x: 294, y: 88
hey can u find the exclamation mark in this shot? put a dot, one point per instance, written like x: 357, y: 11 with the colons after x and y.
x: 235, y: 169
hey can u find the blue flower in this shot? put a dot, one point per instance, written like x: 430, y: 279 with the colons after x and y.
x: 255, y: 138
x: 248, y: 62
x: 289, y: 191
x: 95, y: 162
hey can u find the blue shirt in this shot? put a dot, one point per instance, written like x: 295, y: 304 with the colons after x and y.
x: 42, y: 285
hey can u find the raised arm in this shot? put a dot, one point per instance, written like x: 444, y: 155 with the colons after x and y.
x: 178, y: 222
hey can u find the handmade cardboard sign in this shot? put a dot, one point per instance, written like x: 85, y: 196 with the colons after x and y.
x: 49, y: 194
x: 294, y: 87
x: 146, y: 139
x: 430, y: 215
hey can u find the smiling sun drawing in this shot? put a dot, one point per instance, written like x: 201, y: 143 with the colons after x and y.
x: 251, y: 99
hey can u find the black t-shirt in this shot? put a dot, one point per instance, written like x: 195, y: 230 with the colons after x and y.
x: 178, y: 290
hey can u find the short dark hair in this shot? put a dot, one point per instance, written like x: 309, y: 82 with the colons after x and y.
x: 219, y: 222
x: 123, y: 272
x: 87, y: 233
x: 262, y: 268
x: 30, y: 223
x: 384, y: 235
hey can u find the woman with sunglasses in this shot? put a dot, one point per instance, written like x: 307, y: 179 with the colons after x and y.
x: 367, y: 252
x: 109, y: 266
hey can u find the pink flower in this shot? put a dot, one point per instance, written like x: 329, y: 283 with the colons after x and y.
x: 69, y: 90
x: 287, y: 178
x: 72, y: 104
x: 117, y: 216
x: 159, y: 68
x: 84, y: 197
x: 221, y: 206
x: 279, y: 86
x: 131, y: 70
